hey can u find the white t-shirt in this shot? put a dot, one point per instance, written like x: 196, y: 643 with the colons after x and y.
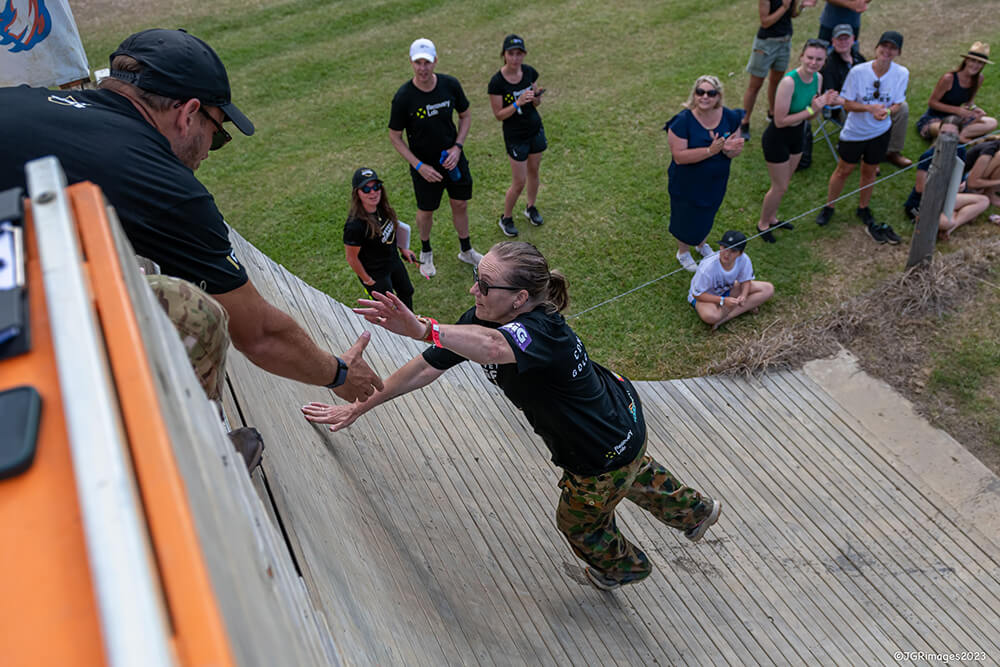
x: 860, y: 86
x: 711, y: 277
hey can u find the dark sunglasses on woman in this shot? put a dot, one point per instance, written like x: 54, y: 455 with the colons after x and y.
x: 711, y: 92
x: 370, y: 187
x: 484, y: 287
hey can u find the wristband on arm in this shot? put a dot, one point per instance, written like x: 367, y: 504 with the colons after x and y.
x: 341, y: 374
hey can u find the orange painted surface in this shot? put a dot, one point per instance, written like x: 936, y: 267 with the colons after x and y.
x: 199, y: 632
x: 48, y: 614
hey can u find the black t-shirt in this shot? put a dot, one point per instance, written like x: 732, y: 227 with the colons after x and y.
x: 378, y: 255
x: 835, y: 69
x: 781, y: 27
x: 99, y: 136
x: 427, y: 117
x: 979, y: 150
x: 526, y: 124
x: 589, y: 417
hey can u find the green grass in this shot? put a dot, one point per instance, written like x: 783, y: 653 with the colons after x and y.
x: 317, y: 76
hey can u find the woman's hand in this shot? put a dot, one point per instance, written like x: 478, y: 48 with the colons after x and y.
x: 387, y: 311
x: 409, y: 255
x: 718, y: 143
x: 337, y: 416
x: 733, y: 145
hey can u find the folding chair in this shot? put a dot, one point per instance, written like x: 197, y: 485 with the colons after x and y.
x: 829, y: 126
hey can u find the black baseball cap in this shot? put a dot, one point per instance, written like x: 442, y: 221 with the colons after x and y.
x: 180, y: 66
x: 892, y: 37
x: 733, y: 240
x: 513, y: 42
x: 363, y: 176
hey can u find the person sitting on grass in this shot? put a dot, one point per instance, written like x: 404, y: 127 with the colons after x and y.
x: 982, y: 169
x: 968, y: 205
x: 723, y: 287
x: 955, y: 93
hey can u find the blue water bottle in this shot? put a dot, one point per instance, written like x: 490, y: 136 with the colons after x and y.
x: 456, y: 173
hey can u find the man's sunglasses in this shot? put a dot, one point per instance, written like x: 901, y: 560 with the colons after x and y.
x: 371, y: 187
x: 711, y: 92
x: 484, y: 287
x: 220, y: 137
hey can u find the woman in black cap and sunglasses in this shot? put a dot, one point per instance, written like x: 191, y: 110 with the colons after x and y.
x: 589, y: 417
x: 370, y: 239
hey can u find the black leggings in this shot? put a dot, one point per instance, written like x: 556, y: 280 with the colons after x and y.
x: 396, y: 281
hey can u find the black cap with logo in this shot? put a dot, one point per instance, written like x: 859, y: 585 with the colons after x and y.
x: 363, y: 176
x: 180, y: 66
x: 513, y: 42
x: 733, y: 240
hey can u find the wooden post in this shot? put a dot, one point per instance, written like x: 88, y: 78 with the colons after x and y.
x: 932, y: 203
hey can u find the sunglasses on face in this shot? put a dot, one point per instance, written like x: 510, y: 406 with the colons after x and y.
x: 370, y: 187
x: 220, y: 137
x: 711, y: 92
x: 484, y: 287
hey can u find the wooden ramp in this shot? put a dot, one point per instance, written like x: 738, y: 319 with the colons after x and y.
x: 426, y: 531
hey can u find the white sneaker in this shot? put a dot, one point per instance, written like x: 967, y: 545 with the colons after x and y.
x: 427, y: 264
x: 705, y: 250
x: 687, y: 261
x: 470, y: 256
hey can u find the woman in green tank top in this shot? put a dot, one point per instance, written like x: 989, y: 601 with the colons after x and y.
x: 796, y: 101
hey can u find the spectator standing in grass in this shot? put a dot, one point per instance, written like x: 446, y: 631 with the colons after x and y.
x: 872, y: 91
x: 955, y: 93
x: 370, y: 239
x: 968, y: 205
x: 514, y: 96
x: 589, y: 417
x: 797, y: 101
x: 770, y: 53
x: 723, y: 287
x: 703, y: 139
x: 423, y: 106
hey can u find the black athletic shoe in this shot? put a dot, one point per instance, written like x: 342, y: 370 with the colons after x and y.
x: 891, y: 237
x: 824, y: 216
x: 875, y: 231
x: 766, y: 235
x: 787, y: 226
x: 866, y: 216
x: 507, y: 226
x: 532, y: 214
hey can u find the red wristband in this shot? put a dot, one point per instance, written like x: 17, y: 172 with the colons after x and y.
x: 436, y: 333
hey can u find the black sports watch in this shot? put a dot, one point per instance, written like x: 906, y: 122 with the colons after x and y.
x: 341, y: 374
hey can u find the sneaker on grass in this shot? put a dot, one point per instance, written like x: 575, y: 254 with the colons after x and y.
x: 875, y: 231
x: 532, y: 214
x: 866, y: 216
x: 470, y: 256
x: 687, y: 261
x: 427, y: 264
x: 507, y: 226
x: 824, y: 216
x: 890, y: 235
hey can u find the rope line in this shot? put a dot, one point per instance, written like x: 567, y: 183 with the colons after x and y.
x: 778, y: 226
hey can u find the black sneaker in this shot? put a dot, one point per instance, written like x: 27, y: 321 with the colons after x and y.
x: 507, y: 226
x: 745, y: 132
x: 866, y: 216
x: 787, y: 226
x: 532, y: 214
x: 875, y: 231
x: 824, y: 216
x: 766, y: 235
x: 890, y: 235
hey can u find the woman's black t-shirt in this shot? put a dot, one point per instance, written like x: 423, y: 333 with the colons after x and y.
x: 377, y: 254
x: 520, y: 126
x: 589, y: 417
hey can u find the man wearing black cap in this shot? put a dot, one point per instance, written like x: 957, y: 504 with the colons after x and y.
x: 723, y: 287
x: 140, y: 138
x: 872, y: 92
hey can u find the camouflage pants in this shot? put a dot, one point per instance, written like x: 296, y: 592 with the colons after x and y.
x: 586, y: 513
x: 203, y: 325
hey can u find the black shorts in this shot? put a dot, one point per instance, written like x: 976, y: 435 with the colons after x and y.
x: 780, y: 143
x: 520, y: 150
x: 428, y: 195
x: 872, y: 150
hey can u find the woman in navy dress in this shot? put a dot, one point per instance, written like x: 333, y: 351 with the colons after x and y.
x: 703, y: 139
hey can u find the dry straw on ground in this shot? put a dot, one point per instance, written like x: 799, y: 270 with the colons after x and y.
x: 880, y: 318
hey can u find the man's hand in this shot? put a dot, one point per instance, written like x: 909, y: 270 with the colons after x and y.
x: 362, y: 381
x: 880, y: 112
x: 450, y: 162
x: 429, y: 173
